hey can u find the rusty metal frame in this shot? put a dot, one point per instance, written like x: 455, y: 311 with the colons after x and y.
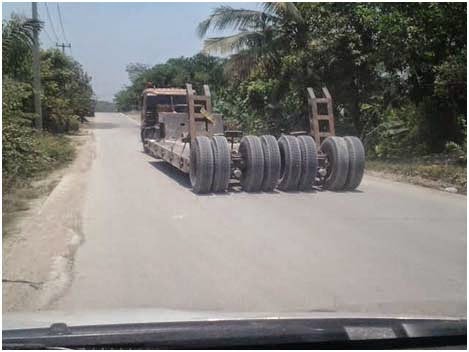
x: 315, y: 117
x: 167, y: 153
x: 191, y: 112
x: 197, y: 101
x: 165, y: 91
x: 199, y: 112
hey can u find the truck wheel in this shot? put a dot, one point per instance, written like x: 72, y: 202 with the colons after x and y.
x: 271, y: 162
x: 337, y: 163
x: 290, y: 167
x: 356, y: 168
x: 309, y: 162
x: 222, y: 160
x: 201, y: 165
x: 252, y: 175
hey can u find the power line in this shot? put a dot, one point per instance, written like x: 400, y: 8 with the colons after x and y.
x: 61, y: 23
x: 44, y: 29
x: 51, y: 23
x: 48, y: 36
x: 63, y: 45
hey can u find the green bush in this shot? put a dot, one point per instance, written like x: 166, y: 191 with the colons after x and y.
x: 56, y: 149
x: 67, y: 92
x: 28, y: 153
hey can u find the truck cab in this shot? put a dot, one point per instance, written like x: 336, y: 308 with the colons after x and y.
x: 159, y: 100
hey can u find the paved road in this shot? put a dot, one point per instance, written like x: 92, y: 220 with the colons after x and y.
x: 151, y: 242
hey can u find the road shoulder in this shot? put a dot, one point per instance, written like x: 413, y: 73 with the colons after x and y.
x: 38, y: 255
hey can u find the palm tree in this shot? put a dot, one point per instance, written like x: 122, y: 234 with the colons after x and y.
x: 17, y: 43
x: 260, y: 36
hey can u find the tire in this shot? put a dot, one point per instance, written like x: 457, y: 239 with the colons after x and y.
x: 201, y: 165
x: 145, y: 133
x: 271, y: 162
x: 252, y: 176
x: 356, y: 168
x: 222, y: 162
x: 336, y: 151
x: 290, y: 169
x: 309, y: 162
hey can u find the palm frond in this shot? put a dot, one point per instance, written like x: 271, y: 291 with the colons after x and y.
x: 226, y: 17
x: 233, y: 43
x: 241, y: 64
x: 18, y: 31
x: 286, y: 10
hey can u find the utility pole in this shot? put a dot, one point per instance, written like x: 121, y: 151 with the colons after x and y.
x: 36, y: 71
x: 63, y: 46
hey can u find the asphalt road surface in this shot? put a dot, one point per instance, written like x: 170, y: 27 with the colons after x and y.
x: 150, y: 242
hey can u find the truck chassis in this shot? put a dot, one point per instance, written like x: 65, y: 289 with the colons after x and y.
x: 189, y: 136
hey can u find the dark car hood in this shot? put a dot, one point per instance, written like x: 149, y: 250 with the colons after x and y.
x: 41, y: 319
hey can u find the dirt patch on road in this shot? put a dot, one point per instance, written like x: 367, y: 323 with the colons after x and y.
x: 39, y: 248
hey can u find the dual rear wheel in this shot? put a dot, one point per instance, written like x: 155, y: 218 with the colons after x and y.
x: 261, y: 163
x: 210, y: 166
x: 344, y: 164
x: 299, y: 160
x: 202, y: 165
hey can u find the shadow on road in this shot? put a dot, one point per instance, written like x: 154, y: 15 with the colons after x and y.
x: 170, y: 171
x: 183, y: 180
x: 346, y: 191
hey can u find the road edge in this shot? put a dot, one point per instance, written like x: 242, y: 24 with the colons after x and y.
x: 48, y: 237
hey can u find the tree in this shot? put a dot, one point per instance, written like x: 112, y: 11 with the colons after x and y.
x: 67, y: 91
x: 17, y: 42
x: 134, y: 70
x: 385, y: 65
x: 199, y: 69
x: 260, y: 35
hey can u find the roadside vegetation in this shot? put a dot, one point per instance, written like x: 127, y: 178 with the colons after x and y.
x: 397, y: 74
x: 424, y: 171
x: 29, y: 154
